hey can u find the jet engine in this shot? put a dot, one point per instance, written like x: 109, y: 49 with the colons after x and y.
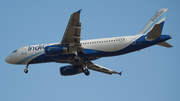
x: 70, y: 70
x: 55, y: 49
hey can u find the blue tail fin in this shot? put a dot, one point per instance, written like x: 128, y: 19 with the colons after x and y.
x: 157, y: 19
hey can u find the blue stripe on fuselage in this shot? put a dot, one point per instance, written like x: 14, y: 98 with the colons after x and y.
x: 140, y: 44
x: 92, y: 54
x: 27, y: 58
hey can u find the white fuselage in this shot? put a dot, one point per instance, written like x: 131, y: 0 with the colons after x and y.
x: 25, y: 54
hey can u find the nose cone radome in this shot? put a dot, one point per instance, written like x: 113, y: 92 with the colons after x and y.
x: 10, y: 59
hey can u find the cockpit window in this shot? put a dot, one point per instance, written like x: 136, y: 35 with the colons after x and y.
x: 14, y: 51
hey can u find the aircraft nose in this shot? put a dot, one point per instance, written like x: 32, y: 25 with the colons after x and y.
x: 9, y: 59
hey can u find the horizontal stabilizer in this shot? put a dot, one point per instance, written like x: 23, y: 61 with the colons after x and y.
x: 155, y: 32
x: 165, y: 44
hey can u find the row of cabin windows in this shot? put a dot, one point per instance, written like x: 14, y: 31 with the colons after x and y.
x: 104, y: 41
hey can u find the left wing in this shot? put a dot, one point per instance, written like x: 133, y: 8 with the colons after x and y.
x: 101, y: 69
x: 71, y: 38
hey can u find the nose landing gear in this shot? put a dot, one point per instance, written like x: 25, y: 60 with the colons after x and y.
x: 26, y: 70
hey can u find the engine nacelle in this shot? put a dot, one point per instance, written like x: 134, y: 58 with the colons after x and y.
x: 55, y: 49
x: 70, y: 70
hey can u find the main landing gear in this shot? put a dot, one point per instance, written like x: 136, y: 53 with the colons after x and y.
x: 77, y: 58
x: 26, y: 70
x: 86, y: 71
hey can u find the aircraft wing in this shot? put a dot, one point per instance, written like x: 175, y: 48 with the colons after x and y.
x: 101, y: 69
x: 71, y: 38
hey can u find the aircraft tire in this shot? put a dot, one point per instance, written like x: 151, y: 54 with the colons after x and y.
x: 77, y: 59
x: 25, y: 71
x: 86, y: 72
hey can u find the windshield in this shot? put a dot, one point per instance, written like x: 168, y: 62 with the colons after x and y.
x: 14, y: 51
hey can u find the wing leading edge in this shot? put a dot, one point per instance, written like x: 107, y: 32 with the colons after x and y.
x: 71, y: 38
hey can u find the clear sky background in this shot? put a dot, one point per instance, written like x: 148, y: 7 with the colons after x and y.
x: 152, y: 74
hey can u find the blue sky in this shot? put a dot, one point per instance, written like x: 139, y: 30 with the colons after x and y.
x: 152, y: 74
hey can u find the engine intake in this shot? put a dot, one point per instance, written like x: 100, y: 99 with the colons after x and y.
x: 70, y: 70
x: 55, y: 49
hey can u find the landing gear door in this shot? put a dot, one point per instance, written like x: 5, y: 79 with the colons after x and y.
x: 24, y: 51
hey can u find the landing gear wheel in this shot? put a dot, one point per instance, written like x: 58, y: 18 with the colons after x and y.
x: 25, y: 71
x: 77, y: 58
x: 86, y: 72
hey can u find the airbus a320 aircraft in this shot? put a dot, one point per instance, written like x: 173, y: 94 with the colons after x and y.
x: 80, y: 54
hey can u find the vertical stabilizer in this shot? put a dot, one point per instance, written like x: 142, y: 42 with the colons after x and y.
x: 157, y: 19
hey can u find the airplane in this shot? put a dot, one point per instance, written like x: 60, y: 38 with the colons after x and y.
x: 80, y: 53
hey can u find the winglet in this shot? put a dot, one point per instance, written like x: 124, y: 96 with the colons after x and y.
x: 79, y: 11
x: 120, y: 73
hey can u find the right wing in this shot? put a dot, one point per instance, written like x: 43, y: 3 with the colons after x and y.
x: 101, y: 69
